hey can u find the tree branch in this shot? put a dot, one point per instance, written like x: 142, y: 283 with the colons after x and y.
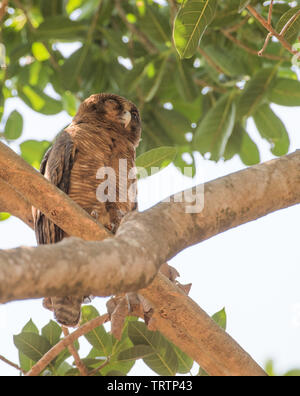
x: 130, y: 260
x: 32, y: 187
x: 251, y: 50
x: 78, y: 362
x: 65, y: 343
x: 3, y: 359
x: 272, y: 32
x: 191, y: 329
x: 133, y: 29
x: 144, y: 241
x: 13, y: 202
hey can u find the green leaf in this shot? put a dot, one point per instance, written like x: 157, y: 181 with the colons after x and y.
x: 133, y: 78
x: 156, y: 158
x: 293, y: 373
x: 4, y: 216
x: 63, y: 368
x: 32, y: 345
x: 285, y: 92
x: 39, y: 101
x: 98, y: 337
x: 136, y: 352
x: 249, y: 152
x: 52, y: 332
x: 69, y: 103
x: 294, y: 28
x: 185, y: 363
x: 40, y: 52
x: 241, y: 143
x: 216, y: 128
x: 26, y: 363
x: 155, y: 72
x: 190, y: 24
x: 255, y: 92
x: 174, y: 124
x: 156, y: 25
x: 61, y: 28
x: 192, y: 111
x: 272, y: 129
x: 226, y: 59
x: 243, y: 5
x: 164, y: 360
x: 220, y: 318
x: 185, y: 83
x: 33, y: 151
x: 14, y: 126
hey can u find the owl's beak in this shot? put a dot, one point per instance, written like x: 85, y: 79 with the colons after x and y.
x: 126, y: 118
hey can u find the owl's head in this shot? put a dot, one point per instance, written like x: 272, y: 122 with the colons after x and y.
x: 111, y: 112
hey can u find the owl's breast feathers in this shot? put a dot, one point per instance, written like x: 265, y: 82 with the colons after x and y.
x: 72, y: 164
x: 104, y: 133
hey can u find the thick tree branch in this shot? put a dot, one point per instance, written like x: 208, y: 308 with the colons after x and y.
x: 146, y: 240
x: 130, y: 260
x: 33, y: 188
x: 13, y: 202
x: 191, y: 329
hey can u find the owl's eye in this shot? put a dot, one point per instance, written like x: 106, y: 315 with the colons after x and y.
x: 134, y: 115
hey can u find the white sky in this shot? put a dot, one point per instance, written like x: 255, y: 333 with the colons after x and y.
x: 252, y: 270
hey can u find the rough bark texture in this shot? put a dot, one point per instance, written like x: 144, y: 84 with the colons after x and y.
x: 13, y: 202
x: 33, y: 187
x: 144, y: 241
x: 130, y: 261
x: 193, y: 331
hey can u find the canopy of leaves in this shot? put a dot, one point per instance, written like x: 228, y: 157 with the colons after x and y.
x: 190, y: 66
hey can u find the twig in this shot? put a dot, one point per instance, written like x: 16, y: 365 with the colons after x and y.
x: 173, y: 10
x: 210, y: 61
x: 89, y: 39
x: 3, y: 8
x: 203, y: 83
x: 65, y: 343
x: 261, y: 52
x: 271, y: 30
x: 270, y: 12
x: 81, y: 367
x: 251, y: 50
x: 236, y: 27
x: 21, y: 7
x: 139, y: 35
x: 91, y: 373
x: 32, y: 29
x: 12, y: 364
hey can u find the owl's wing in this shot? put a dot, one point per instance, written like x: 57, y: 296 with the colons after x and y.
x: 56, y: 167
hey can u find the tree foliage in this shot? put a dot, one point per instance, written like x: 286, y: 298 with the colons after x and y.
x: 190, y: 66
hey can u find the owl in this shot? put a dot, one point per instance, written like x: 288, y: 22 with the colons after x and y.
x: 103, y: 135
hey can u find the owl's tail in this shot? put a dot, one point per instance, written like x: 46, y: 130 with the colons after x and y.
x: 67, y: 310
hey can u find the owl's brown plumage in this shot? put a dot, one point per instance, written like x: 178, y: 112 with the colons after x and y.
x: 105, y: 130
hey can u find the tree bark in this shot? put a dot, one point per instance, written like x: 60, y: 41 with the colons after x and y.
x: 33, y: 187
x: 130, y: 260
